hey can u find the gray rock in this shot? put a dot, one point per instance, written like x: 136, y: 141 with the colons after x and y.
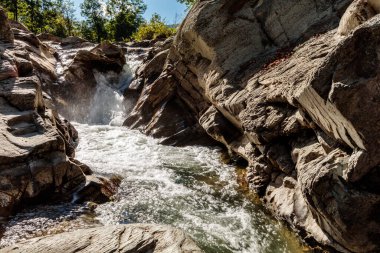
x: 274, y: 83
x: 134, y: 238
x: 37, y: 146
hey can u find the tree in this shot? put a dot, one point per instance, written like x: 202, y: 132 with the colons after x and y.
x: 156, y: 28
x: 11, y: 6
x: 125, y: 17
x: 189, y: 3
x: 66, y: 8
x: 94, y: 11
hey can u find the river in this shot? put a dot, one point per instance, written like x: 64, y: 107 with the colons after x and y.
x: 187, y: 187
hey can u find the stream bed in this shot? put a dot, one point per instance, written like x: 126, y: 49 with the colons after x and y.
x: 186, y: 187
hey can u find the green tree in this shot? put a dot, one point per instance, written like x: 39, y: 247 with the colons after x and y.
x: 189, y: 3
x: 125, y: 17
x: 93, y: 10
x: 67, y: 11
x: 11, y: 6
x: 156, y: 28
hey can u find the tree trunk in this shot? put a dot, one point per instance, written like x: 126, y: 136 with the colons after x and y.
x: 15, y: 9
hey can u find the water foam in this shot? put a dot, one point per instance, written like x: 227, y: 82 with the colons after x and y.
x: 186, y: 187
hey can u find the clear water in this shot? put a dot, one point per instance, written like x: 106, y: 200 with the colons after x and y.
x: 186, y: 187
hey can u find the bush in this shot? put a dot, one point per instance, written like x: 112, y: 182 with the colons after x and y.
x: 156, y: 28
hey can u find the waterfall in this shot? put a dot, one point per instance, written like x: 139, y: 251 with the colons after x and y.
x: 108, y: 106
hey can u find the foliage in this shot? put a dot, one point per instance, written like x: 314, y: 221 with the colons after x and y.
x: 53, y: 16
x: 189, y: 3
x: 125, y: 18
x: 156, y: 28
x: 115, y: 20
x: 93, y: 10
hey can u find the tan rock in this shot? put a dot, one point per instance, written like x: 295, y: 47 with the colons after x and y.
x: 305, y: 117
x: 132, y: 238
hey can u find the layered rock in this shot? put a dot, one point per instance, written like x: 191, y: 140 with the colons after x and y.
x: 274, y: 83
x: 78, y: 63
x: 37, y: 146
x: 37, y: 154
x: 123, y: 238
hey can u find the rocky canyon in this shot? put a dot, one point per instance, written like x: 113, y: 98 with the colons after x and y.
x: 290, y: 89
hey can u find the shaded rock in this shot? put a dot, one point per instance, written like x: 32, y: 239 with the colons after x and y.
x: 37, y: 145
x: 273, y: 82
x: 72, y: 41
x: 78, y: 84
x: 98, y: 189
x: 49, y: 37
x: 122, y: 238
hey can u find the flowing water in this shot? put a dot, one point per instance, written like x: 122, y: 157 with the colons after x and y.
x: 186, y: 187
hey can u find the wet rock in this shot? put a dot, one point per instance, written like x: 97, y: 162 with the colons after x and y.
x: 77, y: 86
x: 98, y: 189
x: 274, y: 82
x: 121, y: 238
x: 37, y: 146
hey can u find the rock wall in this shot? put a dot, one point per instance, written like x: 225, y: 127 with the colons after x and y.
x: 275, y: 83
x: 37, y: 145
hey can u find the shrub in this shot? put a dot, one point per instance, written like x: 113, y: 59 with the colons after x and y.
x: 155, y: 28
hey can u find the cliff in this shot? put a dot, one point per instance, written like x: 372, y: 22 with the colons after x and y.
x: 37, y: 153
x: 275, y: 83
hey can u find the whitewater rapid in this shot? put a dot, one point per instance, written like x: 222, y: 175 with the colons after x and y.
x: 187, y: 187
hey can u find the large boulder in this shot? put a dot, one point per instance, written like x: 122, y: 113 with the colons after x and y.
x: 136, y: 238
x: 275, y: 83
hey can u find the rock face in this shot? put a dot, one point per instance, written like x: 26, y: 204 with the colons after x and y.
x: 137, y: 238
x: 78, y: 61
x: 37, y: 146
x: 275, y: 83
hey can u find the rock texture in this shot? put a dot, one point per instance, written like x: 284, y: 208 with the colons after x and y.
x: 37, y: 154
x: 137, y: 238
x: 37, y: 146
x: 78, y: 62
x: 275, y: 83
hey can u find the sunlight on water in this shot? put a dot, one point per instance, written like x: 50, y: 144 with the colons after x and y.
x: 186, y: 187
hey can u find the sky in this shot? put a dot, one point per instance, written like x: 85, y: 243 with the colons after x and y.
x: 172, y: 11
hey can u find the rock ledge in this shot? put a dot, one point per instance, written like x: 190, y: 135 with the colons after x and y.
x: 121, y: 238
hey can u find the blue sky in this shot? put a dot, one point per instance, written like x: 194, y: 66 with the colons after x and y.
x: 171, y: 10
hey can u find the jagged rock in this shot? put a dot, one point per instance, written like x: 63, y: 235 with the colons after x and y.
x: 98, y: 189
x: 37, y: 145
x: 274, y: 82
x: 122, y: 238
x: 35, y: 158
x: 49, y: 37
x: 31, y: 54
x: 78, y: 84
